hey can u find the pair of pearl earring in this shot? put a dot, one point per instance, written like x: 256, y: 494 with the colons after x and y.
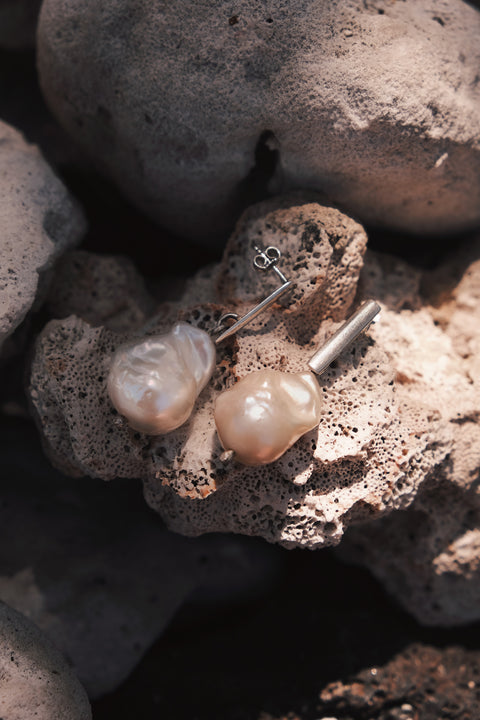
x: 156, y: 382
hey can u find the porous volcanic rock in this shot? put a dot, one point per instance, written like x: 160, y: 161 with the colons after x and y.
x: 386, y: 424
x: 102, y: 289
x: 36, y: 680
x: 18, y: 23
x: 428, y: 556
x: 196, y: 110
x: 420, y: 682
x: 39, y: 221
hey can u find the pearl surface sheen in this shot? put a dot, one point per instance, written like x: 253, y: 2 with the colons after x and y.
x: 266, y: 412
x: 155, y: 383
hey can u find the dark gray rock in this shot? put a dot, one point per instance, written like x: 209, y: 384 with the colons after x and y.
x: 196, y: 109
x: 97, y: 571
x: 39, y: 221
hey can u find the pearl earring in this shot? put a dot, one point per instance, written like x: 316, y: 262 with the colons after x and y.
x: 154, y: 383
x: 267, y: 411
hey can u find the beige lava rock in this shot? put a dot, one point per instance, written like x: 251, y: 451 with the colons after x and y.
x: 429, y: 555
x: 207, y: 107
x: 323, y: 256
x: 39, y: 222
x: 386, y: 422
x: 36, y: 680
x: 103, y: 289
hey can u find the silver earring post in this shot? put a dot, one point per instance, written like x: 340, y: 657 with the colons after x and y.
x: 345, y: 335
x: 264, y: 261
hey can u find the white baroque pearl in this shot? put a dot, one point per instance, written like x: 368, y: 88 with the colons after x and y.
x: 266, y: 412
x: 155, y: 383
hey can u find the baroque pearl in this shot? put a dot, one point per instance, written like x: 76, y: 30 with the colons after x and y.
x: 155, y: 383
x: 266, y: 412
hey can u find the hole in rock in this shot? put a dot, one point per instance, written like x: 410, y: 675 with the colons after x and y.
x: 256, y: 185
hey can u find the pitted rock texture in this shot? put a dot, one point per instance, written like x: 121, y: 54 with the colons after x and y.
x: 421, y: 682
x: 208, y: 106
x: 323, y: 257
x: 429, y: 556
x: 39, y: 222
x: 104, y: 585
x: 102, y: 289
x: 18, y: 23
x: 394, y: 401
x: 36, y: 680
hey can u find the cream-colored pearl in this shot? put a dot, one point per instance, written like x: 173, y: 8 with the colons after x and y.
x: 265, y: 413
x: 155, y: 383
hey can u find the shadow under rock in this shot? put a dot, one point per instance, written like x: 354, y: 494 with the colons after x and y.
x: 424, y: 252
x: 93, y: 566
x: 22, y: 106
x: 321, y: 622
x: 116, y: 227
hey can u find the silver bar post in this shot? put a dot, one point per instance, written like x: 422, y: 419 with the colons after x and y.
x: 346, y: 334
x: 264, y: 261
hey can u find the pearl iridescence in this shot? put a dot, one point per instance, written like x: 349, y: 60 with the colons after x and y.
x: 266, y: 412
x: 155, y: 383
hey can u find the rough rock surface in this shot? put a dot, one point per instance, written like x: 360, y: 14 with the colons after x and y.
x: 97, y: 571
x: 39, y: 221
x: 205, y: 106
x: 36, y: 680
x: 102, y: 289
x: 394, y: 403
x: 420, y: 682
x: 18, y: 23
x: 429, y: 556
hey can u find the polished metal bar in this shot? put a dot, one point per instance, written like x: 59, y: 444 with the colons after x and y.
x: 346, y: 334
x: 279, y: 274
x: 254, y: 312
